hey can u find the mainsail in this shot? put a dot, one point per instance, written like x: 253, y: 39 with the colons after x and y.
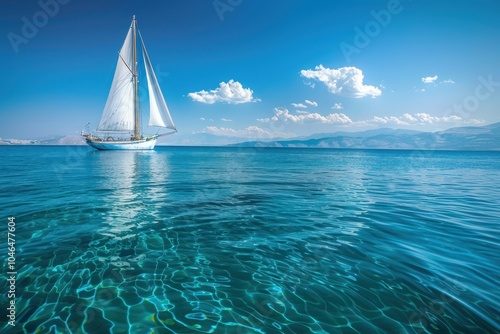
x: 118, y: 113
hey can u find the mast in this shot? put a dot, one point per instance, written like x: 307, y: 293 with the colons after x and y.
x: 136, y: 88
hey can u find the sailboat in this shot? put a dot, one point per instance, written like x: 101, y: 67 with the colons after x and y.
x: 120, y: 125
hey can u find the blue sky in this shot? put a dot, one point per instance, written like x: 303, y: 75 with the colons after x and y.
x: 256, y: 69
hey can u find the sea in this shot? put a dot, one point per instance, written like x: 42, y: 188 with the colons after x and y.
x: 249, y: 240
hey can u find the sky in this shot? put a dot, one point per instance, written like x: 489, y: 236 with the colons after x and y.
x: 256, y: 69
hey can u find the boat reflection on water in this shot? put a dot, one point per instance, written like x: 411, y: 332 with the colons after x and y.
x: 131, y: 201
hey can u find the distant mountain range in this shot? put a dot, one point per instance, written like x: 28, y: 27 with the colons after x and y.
x: 460, y: 138
x: 52, y: 140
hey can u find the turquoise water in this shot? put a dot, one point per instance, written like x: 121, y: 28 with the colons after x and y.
x: 242, y: 240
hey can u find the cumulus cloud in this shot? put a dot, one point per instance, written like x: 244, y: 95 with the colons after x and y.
x: 337, y: 106
x: 340, y: 119
x: 281, y: 114
x: 305, y: 104
x: 409, y: 117
x: 231, y: 92
x: 418, y: 119
x: 248, y: 132
x: 448, y: 81
x: 345, y: 81
x: 426, y: 118
x: 429, y: 80
x: 388, y: 119
x: 311, y: 103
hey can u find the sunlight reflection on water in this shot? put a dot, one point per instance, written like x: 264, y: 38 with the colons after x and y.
x: 244, y: 241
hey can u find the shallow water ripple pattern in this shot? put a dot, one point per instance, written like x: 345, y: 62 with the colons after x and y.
x: 232, y: 240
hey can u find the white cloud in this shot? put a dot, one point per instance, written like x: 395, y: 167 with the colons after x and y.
x: 345, y: 81
x: 418, y: 119
x: 409, y: 117
x: 202, y: 118
x: 248, y: 132
x: 341, y: 119
x: 303, y: 106
x: 226, y: 120
x: 448, y: 81
x: 284, y: 115
x: 388, y: 119
x: 426, y: 118
x: 428, y: 80
x: 231, y: 92
x: 311, y: 103
x: 337, y: 106
x: 310, y: 84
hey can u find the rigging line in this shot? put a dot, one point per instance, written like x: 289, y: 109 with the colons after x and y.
x: 166, y: 134
x: 125, y: 64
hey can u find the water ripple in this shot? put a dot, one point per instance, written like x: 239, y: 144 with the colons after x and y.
x: 216, y: 240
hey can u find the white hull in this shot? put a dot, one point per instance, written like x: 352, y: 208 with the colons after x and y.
x: 141, y: 144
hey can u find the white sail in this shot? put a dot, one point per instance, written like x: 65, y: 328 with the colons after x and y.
x: 118, y: 114
x: 158, y: 110
x: 121, y: 112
